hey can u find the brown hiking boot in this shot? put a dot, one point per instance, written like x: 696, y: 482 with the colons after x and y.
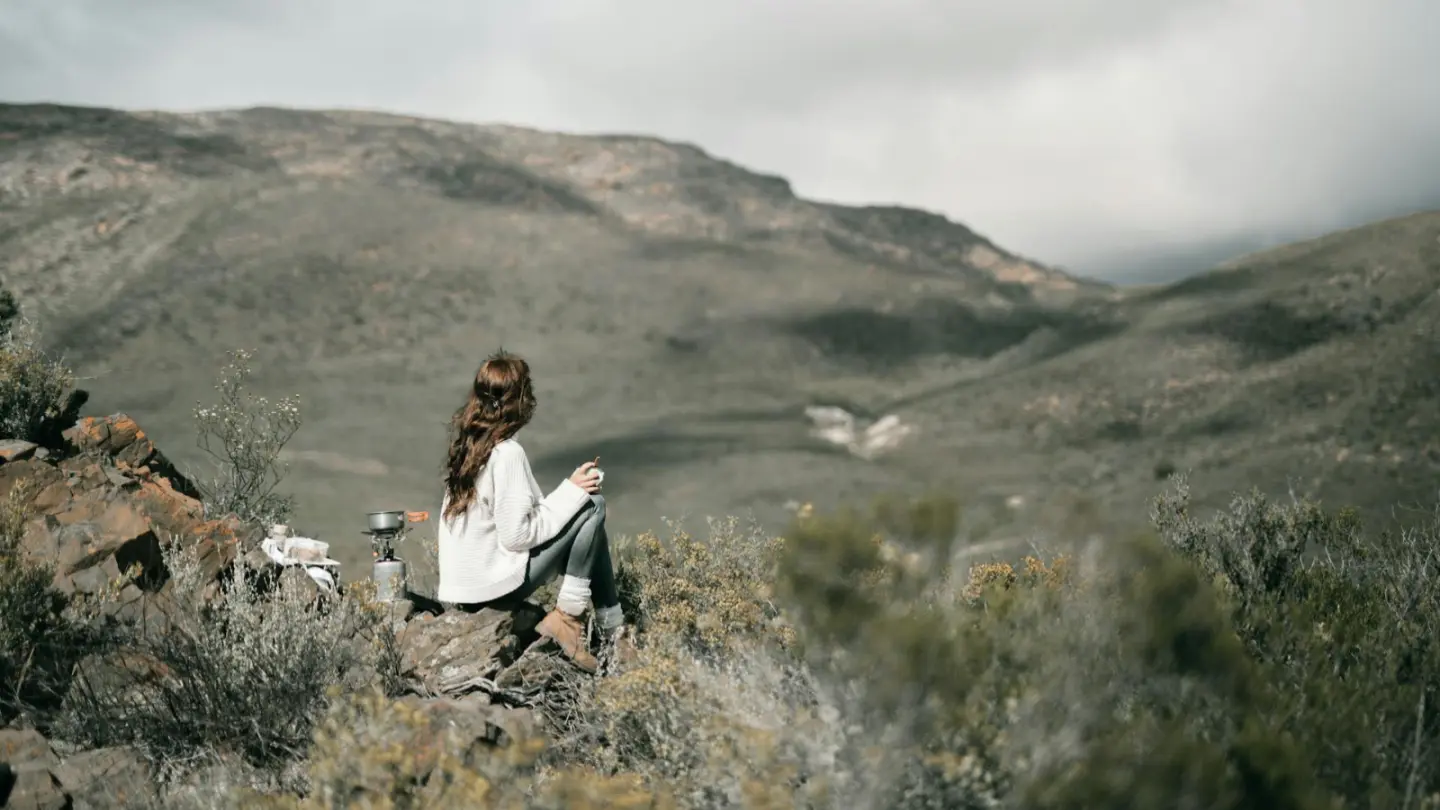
x: 569, y: 633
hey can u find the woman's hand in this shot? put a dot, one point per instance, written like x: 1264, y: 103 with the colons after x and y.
x: 586, y: 477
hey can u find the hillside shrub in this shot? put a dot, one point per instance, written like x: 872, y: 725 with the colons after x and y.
x: 374, y: 752
x: 913, y: 683
x: 244, y: 434
x: 36, y: 389
x: 1344, y: 627
x: 241, y: 671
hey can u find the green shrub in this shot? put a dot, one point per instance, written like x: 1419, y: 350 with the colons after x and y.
x: 1031, y: 685
x: 1344, y: 629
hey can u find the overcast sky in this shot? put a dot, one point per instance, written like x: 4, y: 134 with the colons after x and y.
x: 1112, y: 137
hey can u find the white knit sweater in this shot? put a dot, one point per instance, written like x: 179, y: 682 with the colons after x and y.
x: 483, y: 551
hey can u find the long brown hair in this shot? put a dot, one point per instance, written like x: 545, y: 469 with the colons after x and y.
x: 501, y: 401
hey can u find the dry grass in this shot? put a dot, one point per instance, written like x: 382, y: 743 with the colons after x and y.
x: 240, y: 673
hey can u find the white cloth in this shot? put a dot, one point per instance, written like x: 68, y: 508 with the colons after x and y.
x: 322, y: 578
x: 272, y: 546
x: 483, y: 551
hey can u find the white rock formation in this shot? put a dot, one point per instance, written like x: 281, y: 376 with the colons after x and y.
x: 842, y: 428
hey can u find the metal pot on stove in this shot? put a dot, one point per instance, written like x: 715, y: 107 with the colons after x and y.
x: 385, y: 522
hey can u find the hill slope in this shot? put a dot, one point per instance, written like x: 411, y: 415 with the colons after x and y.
x: 681, y: 312
x: 1313, y: 367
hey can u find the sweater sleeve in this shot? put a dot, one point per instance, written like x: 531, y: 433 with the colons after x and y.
x: 521, y: 521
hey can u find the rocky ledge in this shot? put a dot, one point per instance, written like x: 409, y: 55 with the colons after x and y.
x: 109, y: 500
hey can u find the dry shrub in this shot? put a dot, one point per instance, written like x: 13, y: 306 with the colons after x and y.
x: 714, y: 732
x: 244, y: 434
x: 710, y: 592
x: 373, y: 752
x: 241, y: 671
x: 730, y: 705
x: 717, y: 709
x: 35, y: 389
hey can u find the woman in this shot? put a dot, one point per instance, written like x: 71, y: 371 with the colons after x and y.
x: 501, y: 538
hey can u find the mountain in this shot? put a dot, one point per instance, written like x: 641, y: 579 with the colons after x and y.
x: 681, y: 314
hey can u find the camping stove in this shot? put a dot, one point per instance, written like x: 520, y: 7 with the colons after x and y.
x: 386, y: 530
x: 383, y: 542
x: 388, y: 571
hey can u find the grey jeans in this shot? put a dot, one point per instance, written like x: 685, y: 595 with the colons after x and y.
x: 581, y: 549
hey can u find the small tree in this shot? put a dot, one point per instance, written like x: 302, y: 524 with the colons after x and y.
x: 244, y: 434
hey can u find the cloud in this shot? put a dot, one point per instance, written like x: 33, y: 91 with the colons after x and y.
x: 1097, y: 134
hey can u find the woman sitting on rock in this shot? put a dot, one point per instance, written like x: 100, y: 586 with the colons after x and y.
x: 501, y: 538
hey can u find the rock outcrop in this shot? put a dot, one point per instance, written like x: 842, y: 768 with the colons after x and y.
x: 493, y: 652
x: 108, y: 502
x: 34, y: 777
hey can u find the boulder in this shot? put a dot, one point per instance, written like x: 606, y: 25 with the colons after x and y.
x: 457, y: 652
x: 16, y: 450
x: 25, y: 747
x: 30, y: 787
x: 32, y: 776
x: 120, y: 439
x: 46, y: 481
x: 25, y: 779
x: 106, y: 777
